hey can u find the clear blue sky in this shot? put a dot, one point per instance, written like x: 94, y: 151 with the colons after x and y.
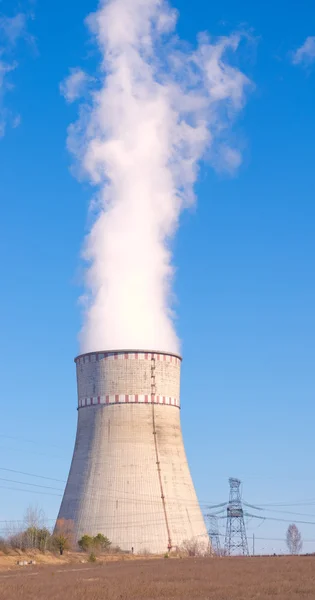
x: 245, y: 272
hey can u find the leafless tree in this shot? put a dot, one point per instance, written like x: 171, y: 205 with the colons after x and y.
x: 29, y: 534
x: 195, y: 547
x: 34, y: 521
x: 14, y: 535
x: 294, y: 539
x: 34, y: 517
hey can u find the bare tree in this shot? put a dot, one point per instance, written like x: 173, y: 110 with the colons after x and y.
x: 34, y: 517
x: 30, y: 533
x: 35, y: 534
x: 34, y: 521
x: 294, y: 539
x: 195, y: 547
x: 14, y: 535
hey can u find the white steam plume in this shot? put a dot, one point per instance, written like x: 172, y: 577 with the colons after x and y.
x: 305, y: 55
x: 156, y: 109
x: 11, y: 30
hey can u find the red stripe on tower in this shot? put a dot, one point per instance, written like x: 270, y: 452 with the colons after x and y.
x: 117, y: 398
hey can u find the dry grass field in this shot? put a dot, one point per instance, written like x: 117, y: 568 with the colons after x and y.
x: 281, y: 578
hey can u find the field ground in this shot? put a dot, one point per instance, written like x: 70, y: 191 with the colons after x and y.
x: 280, y: 578
x: 9, y: 561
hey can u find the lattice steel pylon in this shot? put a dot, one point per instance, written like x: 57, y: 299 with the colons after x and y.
x: 214, y: 535
x: 235, y: 537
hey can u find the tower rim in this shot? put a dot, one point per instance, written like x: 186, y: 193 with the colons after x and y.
x: 129, y: 351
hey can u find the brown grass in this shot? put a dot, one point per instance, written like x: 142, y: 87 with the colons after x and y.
x: 280, y: 578
x: 9, y: 561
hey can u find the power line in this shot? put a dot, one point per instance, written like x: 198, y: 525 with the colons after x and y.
x: 123, y: 495
x: 47, y: 487
x: 5, y: 487
x: 30, y: 452
x: 113, y: 494
x: 288, y: 521
x: 269, y: 539
x: 288, y: 512
x: 23, y: 520
x: 32, y: 475
x: 152, y: 500
x: 276, y: 519
x: 21, y: 439
x: 301, y: 503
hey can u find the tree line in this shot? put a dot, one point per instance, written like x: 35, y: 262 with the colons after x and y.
x: 34, y: 535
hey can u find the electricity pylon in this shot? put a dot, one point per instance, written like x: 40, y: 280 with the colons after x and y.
x: 235, y: 537
x: 214, y: 535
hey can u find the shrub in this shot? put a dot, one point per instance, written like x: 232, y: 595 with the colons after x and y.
x: 4, y: 546
x: 98, y: 543
x: 101, y: 542
x: 62, y: 538
x: 16, y: 541
x: 43, y: 539
x: 36, y: 538
x: 86, y: 542
x: 92, y: 557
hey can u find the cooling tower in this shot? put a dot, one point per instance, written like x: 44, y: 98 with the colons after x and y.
x: 129, y: 478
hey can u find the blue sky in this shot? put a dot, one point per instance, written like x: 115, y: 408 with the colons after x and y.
x: 244, y: 281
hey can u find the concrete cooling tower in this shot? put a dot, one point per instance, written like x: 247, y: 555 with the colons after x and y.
x: 129, y: 478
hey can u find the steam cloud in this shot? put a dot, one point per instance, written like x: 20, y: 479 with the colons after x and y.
x: 305, y: 55
x: 11, y: 29
x: 153, y: 111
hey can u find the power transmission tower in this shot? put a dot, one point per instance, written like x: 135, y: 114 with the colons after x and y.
x: 214, y: 535
x: 235, y: 537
